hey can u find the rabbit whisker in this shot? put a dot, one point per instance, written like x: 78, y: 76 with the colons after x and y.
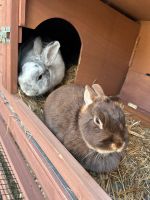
x: 88, y: 155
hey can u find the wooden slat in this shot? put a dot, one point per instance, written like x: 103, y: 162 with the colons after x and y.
x: 10, y: 52
x: 22, y: 7
x: 136, y: 90
x: 2, y: 47
x: 141, y: 60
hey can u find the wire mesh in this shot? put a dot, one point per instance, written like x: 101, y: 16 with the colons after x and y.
x: 9, y: 187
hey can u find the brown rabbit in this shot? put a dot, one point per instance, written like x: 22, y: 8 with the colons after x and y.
x: 89, y: 124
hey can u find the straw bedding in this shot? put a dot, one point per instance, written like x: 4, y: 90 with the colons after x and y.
x: 132, y: 180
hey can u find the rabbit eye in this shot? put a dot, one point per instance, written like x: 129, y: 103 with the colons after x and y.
x: 40, y: 77
x: 98, y: 122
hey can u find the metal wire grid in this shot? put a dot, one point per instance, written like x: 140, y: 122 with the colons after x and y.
x: 9, y: 188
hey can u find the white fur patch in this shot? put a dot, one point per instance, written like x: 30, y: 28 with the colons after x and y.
x: 105, y: 151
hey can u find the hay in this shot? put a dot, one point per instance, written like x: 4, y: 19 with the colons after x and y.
x: 70, y: 75
x: 132, y: 180
x: 35, y: 104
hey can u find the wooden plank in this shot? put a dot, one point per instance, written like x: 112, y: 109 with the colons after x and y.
x: 136, y: 90
x: 81, y: 183
x: 25, y: 180
x: 141, y: 60
x: 139, y: 114
x: 22, y: 7
x: 2, y: 47
x: 10, y: 50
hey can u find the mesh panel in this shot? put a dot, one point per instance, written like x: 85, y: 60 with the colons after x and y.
x: 9, y: 188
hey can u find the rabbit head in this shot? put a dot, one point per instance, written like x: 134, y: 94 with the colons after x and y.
x: 35, y: 78
x: 102, y: 122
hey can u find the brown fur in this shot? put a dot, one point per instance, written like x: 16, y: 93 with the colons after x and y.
x: 67, y: 116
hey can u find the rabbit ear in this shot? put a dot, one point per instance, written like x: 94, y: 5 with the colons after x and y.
x: 50, y: 52
x: 89, y: 95
x: 98, y: 89
x: 37, y: 46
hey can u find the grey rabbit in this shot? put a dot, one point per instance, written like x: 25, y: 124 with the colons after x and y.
x: 41, y: 67
x: 89, y: 124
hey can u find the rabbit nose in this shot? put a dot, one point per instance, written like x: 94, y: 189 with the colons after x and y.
x: 121, y: 147
x: 118, y: 145
x: 113, y: 146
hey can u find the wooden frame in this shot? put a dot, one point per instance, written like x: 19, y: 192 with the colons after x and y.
x: 9, y: 78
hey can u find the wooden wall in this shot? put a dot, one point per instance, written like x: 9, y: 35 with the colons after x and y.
x: 136, y: 88
x: 107, y: 38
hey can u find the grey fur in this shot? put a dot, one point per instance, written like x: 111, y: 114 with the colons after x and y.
x: 41, y: 67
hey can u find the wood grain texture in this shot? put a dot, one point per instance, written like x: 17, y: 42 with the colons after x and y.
x: 10, y: 50
x: 2, y: 47
x: 136, y: 90
x: 107, y: 38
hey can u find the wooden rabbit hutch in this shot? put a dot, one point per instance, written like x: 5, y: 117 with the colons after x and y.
x: 108, y: 47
